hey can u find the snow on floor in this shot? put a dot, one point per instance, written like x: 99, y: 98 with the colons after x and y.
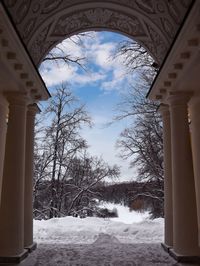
x: 100, y: 254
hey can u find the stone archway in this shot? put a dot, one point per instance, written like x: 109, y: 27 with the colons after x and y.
x: 42, y: 25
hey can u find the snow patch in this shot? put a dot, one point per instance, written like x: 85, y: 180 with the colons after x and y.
x: 125, y: 215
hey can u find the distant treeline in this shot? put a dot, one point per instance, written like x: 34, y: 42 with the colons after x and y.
x: 138, y: 196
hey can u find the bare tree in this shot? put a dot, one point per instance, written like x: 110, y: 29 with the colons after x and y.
x: 134, y: 56
x: 59, y: 54
x: 142, y: 140
x: 88, y: 172
x: 60, y: 142
x: 143, y: 143
x: 65, y: 175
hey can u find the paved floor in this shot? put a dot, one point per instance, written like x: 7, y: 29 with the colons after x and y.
x: 94, y: 255
x: 105, y: 251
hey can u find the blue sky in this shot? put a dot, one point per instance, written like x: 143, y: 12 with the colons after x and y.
x: 100, y: 87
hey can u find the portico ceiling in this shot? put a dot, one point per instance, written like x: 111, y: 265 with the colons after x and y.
x: 17, y: 71
x: 43, y: 24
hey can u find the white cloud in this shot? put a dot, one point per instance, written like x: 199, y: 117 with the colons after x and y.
x: 92, y: 48
x: 117, y: 81
x: 71, y: 48
x: 87, y: 78
x: 99, y: 58
x: 102, y: 55
x: 55, y: 75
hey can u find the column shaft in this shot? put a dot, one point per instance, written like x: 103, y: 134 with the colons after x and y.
x: 12, y: 204
x: 3, y: 128
x: 28, y: 191
x: 185, y: 241
x: 195, y: 133
x: 168, y: 206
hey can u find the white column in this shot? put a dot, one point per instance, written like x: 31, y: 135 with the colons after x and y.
x: 12, y: 203
x: 194, y: 112
x: 28, y: 190
x: 168, y: 206
x: 3, y: 128
x: 185, y: 240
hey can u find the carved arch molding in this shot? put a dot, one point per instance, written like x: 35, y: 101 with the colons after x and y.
x: 44, y: 23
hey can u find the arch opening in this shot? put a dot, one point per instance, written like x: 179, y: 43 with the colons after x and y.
x: 94, y: 82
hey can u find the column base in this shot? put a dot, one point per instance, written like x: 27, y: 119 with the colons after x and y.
x: 184, y: 258
x: 166, y: 247
x: 31, y: 247
x: 14, y: 259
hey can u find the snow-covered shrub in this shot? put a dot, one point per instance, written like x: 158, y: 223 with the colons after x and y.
x: 106, y: 213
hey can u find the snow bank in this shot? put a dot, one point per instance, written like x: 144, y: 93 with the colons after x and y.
x: 86, y: 231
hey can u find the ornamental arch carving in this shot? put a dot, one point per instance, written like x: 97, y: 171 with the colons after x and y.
x: 43, y: 24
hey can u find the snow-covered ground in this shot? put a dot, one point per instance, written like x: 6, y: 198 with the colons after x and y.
x: 132, y: 239
x: 129, y: 227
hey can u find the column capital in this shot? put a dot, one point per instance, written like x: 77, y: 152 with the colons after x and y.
x: 177, y: 98
x: 17, y: 98
x: 164, y: 109
x: 33, y: 109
